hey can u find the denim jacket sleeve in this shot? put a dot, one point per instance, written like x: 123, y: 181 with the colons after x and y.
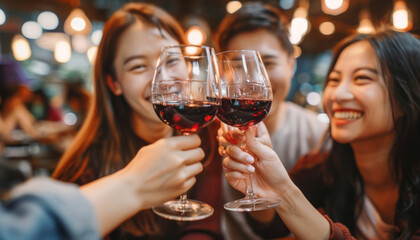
x: 42, y: 208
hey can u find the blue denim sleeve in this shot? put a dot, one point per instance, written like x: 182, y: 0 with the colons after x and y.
x: 42, y: 208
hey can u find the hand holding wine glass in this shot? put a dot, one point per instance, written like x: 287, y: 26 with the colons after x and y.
x: 246, y: 100
x: 185, y: 95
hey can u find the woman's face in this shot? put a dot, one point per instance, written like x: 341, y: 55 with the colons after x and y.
x: 356, y: 97
x: 135, y: 60
x: 276, y: 60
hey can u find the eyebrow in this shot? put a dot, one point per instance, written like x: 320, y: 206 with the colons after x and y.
x: 358, y: 69
x: 269, y: 56
x: 133, y: 58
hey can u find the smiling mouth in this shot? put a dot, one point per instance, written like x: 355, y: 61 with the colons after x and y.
x: 348, y: 115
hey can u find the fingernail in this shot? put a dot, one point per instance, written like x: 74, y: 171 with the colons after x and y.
x: 251, y: 168
x: 249, y: 159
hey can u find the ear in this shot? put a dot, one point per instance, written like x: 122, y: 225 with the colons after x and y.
x: 114, y: 86
x: 292, y: 61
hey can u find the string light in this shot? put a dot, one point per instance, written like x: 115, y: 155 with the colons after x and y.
x: 77, y: 23
x: 20, y: 48
x: 299, y: 25
x: 365, y: 24
x: 327, y: 28
x: 233, y: 6
x: 401, y: 17
x: 62, y: 52
x: 195, y: 35
x: 334, y: 7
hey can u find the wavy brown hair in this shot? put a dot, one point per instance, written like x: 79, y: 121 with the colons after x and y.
x: 399, y: 57
x: 106, y: 141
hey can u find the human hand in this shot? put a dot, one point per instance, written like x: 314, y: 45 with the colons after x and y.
x: 269, y: 175
x: 166, y: 168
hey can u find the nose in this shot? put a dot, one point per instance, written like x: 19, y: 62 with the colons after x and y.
x: 343, y: 92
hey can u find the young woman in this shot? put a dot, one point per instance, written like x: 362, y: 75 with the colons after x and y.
x: 370, y: 179
x: 122, y: 120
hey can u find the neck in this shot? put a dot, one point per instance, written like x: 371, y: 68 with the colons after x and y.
x: 275, y: 119
x: 150, y: 131
x: 372, y: 159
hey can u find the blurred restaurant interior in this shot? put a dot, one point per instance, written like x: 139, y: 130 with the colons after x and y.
x: 50, y: 45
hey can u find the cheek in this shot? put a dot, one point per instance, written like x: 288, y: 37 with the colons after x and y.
x: 279, y: 81
x: 326, y: 101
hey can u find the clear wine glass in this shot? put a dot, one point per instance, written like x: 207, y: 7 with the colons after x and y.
x: 246, y: 100
x: 185, y: 95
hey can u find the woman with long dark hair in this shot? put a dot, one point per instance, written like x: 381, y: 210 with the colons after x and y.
x: 121, y: 119
x: 368, y: 184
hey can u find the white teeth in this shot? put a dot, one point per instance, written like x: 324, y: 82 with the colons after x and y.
x: 347, y: 115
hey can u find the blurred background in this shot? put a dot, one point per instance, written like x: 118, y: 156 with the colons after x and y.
x: 49, y: 46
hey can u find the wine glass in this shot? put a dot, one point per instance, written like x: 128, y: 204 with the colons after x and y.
x: 185, y: 95
x: 246, y: 100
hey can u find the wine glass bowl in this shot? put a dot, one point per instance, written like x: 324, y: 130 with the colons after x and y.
x: 185, y: 96
x: 246, y: 98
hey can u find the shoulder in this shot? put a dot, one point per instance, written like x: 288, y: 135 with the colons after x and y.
x: 303, y: 114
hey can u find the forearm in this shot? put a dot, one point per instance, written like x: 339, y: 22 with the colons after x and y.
x: 114, y: 199
x: 302, y: 219
x: 265, y: 216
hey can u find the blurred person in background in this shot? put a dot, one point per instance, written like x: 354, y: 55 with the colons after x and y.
x: 294, y: 131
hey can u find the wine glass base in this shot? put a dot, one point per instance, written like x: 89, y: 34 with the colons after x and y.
x: 251, y: 204
x: 188, y: 210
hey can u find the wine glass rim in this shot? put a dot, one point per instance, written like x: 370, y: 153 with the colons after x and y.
x: 185, y: 45
x: 244, y: 52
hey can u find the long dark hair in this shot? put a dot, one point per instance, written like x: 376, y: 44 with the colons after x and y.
x: 399, y: 57
x: 106, y: 141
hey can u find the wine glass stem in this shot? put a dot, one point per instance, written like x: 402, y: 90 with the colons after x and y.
x: 183, y: 197
x: 249, y: 190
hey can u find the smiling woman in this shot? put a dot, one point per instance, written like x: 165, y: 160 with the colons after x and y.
x: 122, y: 120
x: 370, y: 179
x: 356, y: 98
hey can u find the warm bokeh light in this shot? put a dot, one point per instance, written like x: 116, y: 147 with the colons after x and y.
x: 91, y: 54
x: 77, y: 23
x: 195, y: 35
x: 31, y: 30
x: 401, y: 18
x: 334, y: 7
x: 365, y: 24
x: 299, y: 25
x: 2, y: 17
x: 20, y: 48
x: 48, y: 20
x: 62, y: 52
x: 327, y: 28
x: 233, y: 6
x: 333, y: 4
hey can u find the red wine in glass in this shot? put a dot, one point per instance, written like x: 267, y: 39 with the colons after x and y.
x: 187, y: 118
x: 243, y: 113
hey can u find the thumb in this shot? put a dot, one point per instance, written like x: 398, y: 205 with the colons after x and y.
x: 258, y: 146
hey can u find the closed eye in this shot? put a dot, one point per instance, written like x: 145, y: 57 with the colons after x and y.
x: 138, y: 68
